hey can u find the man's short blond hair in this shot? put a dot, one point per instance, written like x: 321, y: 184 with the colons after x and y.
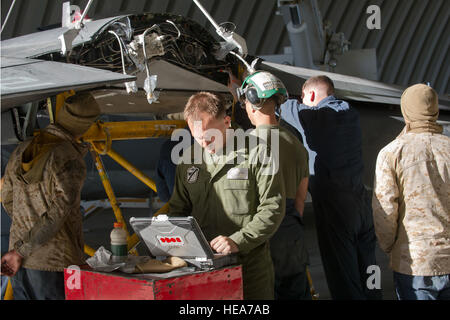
x: 321, y: 83
x: 207, y: 102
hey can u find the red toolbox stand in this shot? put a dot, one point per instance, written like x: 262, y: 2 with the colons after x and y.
x: 220, y: 284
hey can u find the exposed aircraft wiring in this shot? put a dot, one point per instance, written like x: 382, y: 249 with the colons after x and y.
x: 121, y: 50
x: 144, y: 47
x: 103, y: 56
x: 150, y: 81
x: 126, y: 28
x: 175, y: 26
x: 168, y: 40
x: 170, y: 45
x: 166, y: 33
x: 131, y: 85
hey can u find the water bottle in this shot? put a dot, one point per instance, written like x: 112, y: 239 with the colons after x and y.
x: 119, y: 245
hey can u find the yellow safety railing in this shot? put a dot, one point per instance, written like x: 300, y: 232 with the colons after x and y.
x: 130, y: 130
x: 88, y: 250
x: 100, y: 137
x: 9, y: 292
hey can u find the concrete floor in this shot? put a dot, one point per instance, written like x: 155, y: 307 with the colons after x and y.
x: 98, y: 226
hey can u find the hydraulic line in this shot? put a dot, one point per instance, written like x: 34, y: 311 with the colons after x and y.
x: 121, y: 50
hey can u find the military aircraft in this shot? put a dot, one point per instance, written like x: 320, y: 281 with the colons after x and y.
x: 145, y: 67
x: 172, y: 54
x: 142, y: 68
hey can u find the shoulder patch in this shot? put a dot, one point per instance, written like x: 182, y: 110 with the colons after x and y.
x: 192, y: 174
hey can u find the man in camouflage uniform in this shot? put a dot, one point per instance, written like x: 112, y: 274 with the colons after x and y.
x: 411, y: 203
x: 236, y: 199
x: 41, y: 193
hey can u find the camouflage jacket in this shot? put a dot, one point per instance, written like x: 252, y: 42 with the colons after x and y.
x: 411, y: 203
x: 45, y: 211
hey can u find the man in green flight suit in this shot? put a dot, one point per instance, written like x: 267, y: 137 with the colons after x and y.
x: 237, y: 199
x: 261, y: 94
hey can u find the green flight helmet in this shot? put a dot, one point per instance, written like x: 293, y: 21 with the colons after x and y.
x: 260, y: 86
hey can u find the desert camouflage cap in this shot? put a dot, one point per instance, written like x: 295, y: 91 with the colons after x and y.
x: 420, y: 103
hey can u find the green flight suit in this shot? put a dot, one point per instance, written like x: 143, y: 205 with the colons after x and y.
x: 288, y: 248
x: 234, y: 195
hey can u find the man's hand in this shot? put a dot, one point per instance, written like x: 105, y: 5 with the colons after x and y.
x: 224, y: 245
x: 11, y: 263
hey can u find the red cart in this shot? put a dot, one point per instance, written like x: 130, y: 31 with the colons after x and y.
x: 219, y: 284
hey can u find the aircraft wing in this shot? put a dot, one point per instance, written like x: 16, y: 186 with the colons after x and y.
x: 347, y: 87
x: 26, y: 80
x: 43, y: 42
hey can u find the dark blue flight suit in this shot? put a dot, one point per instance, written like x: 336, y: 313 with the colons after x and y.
x: 166, y: 168
x: 165, y: 171
x: 342, y: 206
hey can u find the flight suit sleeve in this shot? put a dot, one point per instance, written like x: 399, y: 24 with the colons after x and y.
x: 269, y: 212
x: 289, y: 112
x: 6, y: 189
x: 385, y: 203
x: 64, y: 190
x: 179, y: 204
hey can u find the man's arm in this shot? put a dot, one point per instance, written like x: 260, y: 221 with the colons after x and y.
x: 300, y: 197
x: 10, y: 261
x: 289, y: 112
x: 66, y: 183
x: 6, y: 189
x: 385, y: 203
